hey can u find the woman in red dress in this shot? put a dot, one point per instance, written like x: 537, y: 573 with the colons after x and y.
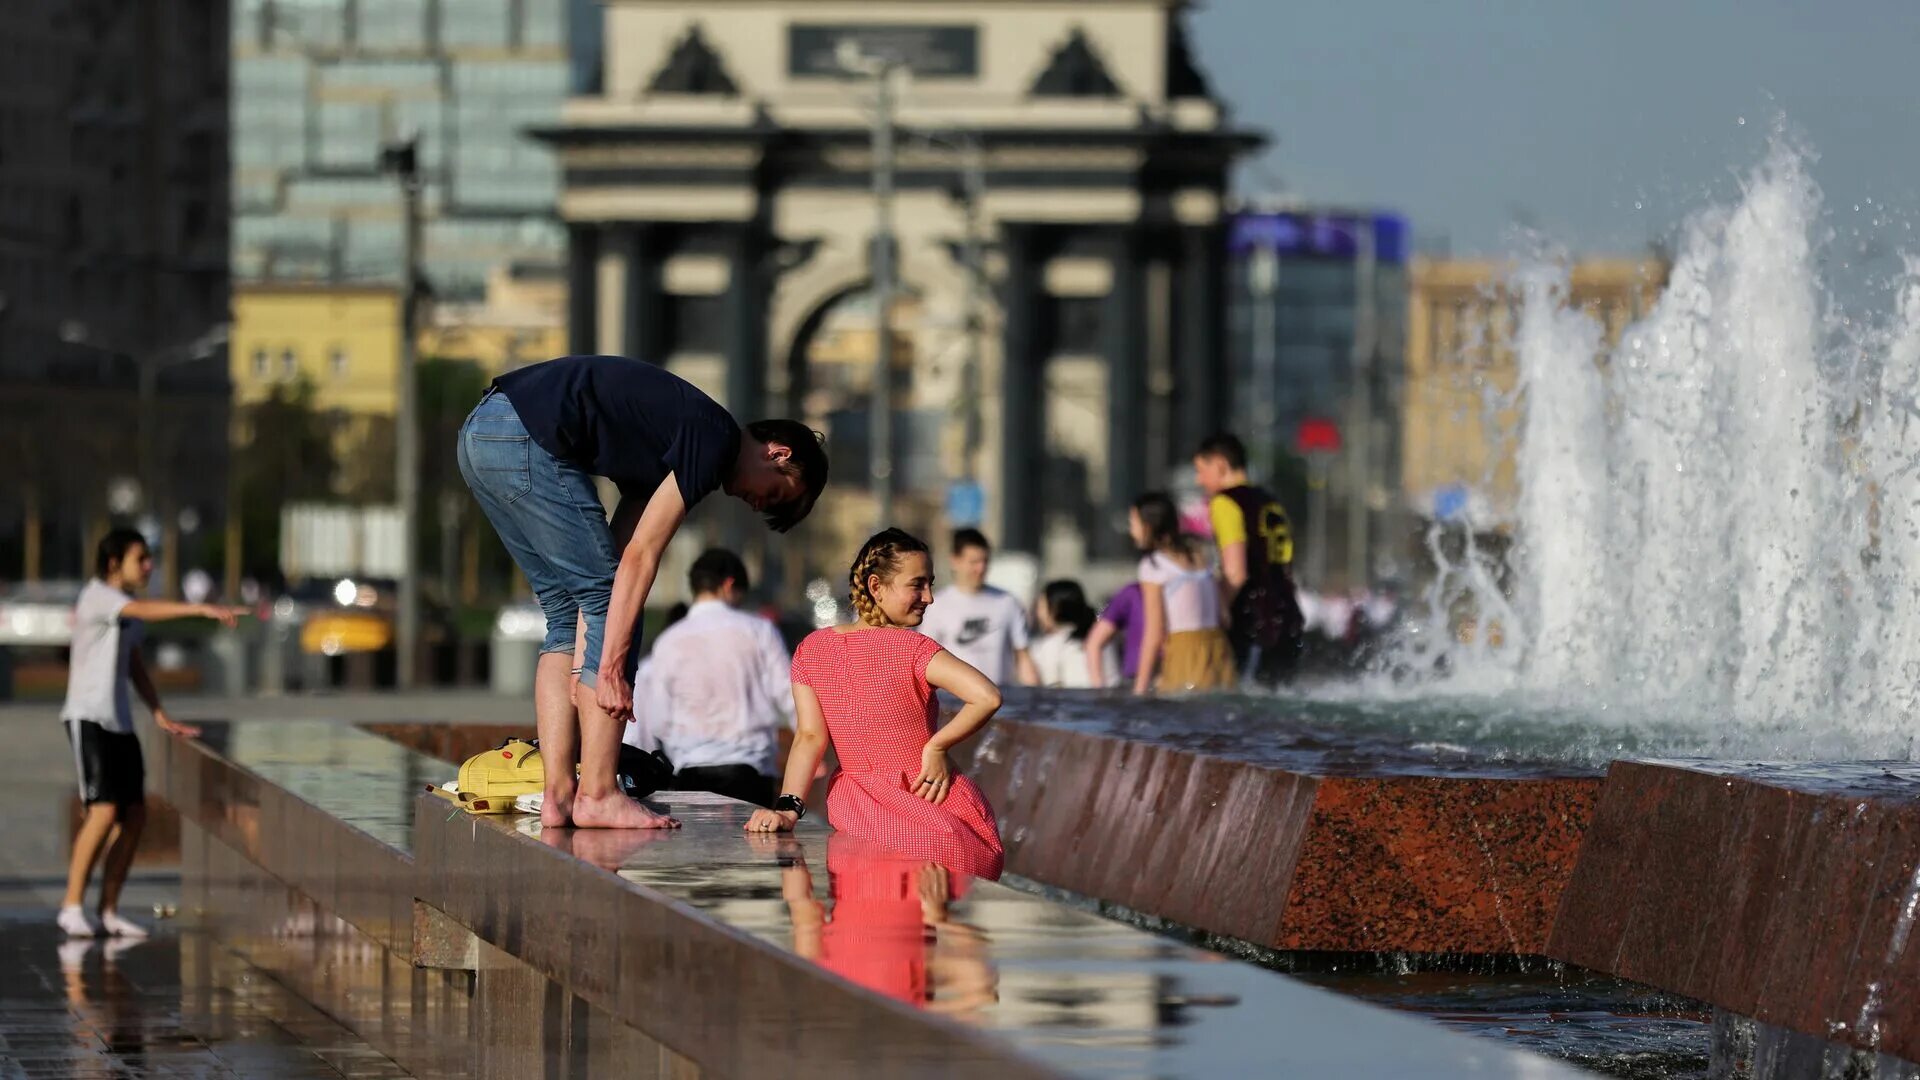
x: 869, y: 688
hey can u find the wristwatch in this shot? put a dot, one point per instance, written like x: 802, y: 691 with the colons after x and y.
x: 791, y: 804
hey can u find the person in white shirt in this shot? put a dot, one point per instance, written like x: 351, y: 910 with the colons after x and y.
x: 976, y: 622
x: 1064, y: 619
x: 108, y: 627
x: 717, y: 690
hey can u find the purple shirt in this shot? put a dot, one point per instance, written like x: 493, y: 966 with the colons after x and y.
x: 1124, y: 611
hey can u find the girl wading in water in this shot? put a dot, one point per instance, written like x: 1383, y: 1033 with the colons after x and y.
x: 869, y: 689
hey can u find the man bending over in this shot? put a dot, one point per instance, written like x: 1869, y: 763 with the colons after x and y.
x: 529, y: 452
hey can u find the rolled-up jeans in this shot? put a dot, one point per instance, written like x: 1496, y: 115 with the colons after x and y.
x: 549, y: 516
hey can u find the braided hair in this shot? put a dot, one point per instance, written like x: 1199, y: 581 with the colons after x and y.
x: 880, y: 555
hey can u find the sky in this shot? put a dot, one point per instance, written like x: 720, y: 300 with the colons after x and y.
x: 1600, y: 123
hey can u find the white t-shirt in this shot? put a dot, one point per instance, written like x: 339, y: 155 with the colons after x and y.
x: 103, y: 648
x: 983, y: 628
x: 1192, y: 597
x: 716, y: 691
x: 1063, y: 661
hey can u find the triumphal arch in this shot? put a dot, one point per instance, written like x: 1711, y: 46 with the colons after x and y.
x: 1060, y: 167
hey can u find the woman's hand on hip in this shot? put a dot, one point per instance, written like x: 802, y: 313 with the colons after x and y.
x: 936, y: 774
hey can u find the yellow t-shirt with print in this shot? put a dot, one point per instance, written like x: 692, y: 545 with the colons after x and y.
x: 1275, y: 531
x: 1229, y: 523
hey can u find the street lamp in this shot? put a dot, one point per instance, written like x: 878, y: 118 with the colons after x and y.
x: 973, y: 186
x: 881, y: 70
x: 402, y: 160
x: 204, y: 347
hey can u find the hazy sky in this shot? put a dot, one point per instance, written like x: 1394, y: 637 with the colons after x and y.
x: 1471, y: 115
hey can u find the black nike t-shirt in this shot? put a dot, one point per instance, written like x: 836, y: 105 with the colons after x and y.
x: 627, y: 420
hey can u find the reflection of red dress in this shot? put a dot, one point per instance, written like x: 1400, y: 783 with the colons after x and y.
x: 877, y: 935
x: 880, y: 710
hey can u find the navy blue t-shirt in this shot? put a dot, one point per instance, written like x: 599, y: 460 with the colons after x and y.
x: 627, y: 420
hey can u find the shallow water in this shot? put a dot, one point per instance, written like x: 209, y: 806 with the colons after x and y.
x: 1612, y: 1027
x: 1334, y: 729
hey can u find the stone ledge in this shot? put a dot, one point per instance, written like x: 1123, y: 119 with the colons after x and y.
x: 712, y: 994
x: 1287, y: 859
x: 1782, y: 893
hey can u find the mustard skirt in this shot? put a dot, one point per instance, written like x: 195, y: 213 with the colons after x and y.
x: 1198, y: 660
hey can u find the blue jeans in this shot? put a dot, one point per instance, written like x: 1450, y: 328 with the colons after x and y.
x: 549, y: 516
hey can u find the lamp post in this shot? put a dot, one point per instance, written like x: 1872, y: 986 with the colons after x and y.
x: 150, y: 365
x: 881, y: 70
x: 402, y: 159
x: 1360, y: 407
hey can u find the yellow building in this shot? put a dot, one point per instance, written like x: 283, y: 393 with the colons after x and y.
x: 343, y: 342
x: 343, y: 339
x: 1460, y: 425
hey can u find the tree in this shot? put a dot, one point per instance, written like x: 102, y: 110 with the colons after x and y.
x: 285, y: 454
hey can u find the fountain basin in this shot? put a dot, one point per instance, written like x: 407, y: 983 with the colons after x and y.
x: 1782, y: 892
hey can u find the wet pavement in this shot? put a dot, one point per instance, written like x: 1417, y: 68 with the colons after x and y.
x: 172, y: 1006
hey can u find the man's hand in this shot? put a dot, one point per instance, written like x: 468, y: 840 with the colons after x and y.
x: 220, y: 613
x: 613, y: 695
x: 166, y: 723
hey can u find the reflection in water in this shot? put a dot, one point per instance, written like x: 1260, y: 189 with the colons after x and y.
x: 608, y: 849
x: 889, y: 924
x: 100, y: 997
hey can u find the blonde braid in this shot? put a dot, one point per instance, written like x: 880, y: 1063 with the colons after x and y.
x: 879, y: 555
x: 874, y: 558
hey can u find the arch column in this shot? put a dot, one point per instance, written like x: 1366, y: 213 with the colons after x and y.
x: 1126, y: 348
x: 643, y: 324
x: 583, y: 289
x: 1202, y: 366
x: 1023, y: 436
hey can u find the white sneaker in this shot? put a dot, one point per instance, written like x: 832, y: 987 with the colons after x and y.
x: 76, y: 923
x: 120, y: 926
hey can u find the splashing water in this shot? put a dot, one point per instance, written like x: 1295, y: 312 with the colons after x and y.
x: 1718, y: 525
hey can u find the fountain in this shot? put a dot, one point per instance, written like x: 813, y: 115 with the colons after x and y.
x: 1718, y: 531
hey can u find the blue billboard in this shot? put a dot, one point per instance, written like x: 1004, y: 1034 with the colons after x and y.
x: 1326, y: 235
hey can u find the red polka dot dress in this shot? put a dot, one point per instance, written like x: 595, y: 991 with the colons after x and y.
x: 880, y: 712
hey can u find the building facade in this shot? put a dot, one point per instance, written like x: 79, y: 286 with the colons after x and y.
x: 113, y: 277
x: 1461, y: 424
x: 321, y: 85
x: 1060, y: 169
x: 338, y: 346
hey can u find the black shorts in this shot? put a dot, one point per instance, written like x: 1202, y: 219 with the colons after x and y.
x: 108, y: 764
x: 742, y: 782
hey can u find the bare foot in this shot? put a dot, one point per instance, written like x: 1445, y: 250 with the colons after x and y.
x: 556, y: 809
x: 616, y: 811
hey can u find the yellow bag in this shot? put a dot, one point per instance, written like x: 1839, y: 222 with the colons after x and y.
x: 492, y: 779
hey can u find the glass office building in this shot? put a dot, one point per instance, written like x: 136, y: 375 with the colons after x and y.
x: 1297, y: 292
x: 320, y: 85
